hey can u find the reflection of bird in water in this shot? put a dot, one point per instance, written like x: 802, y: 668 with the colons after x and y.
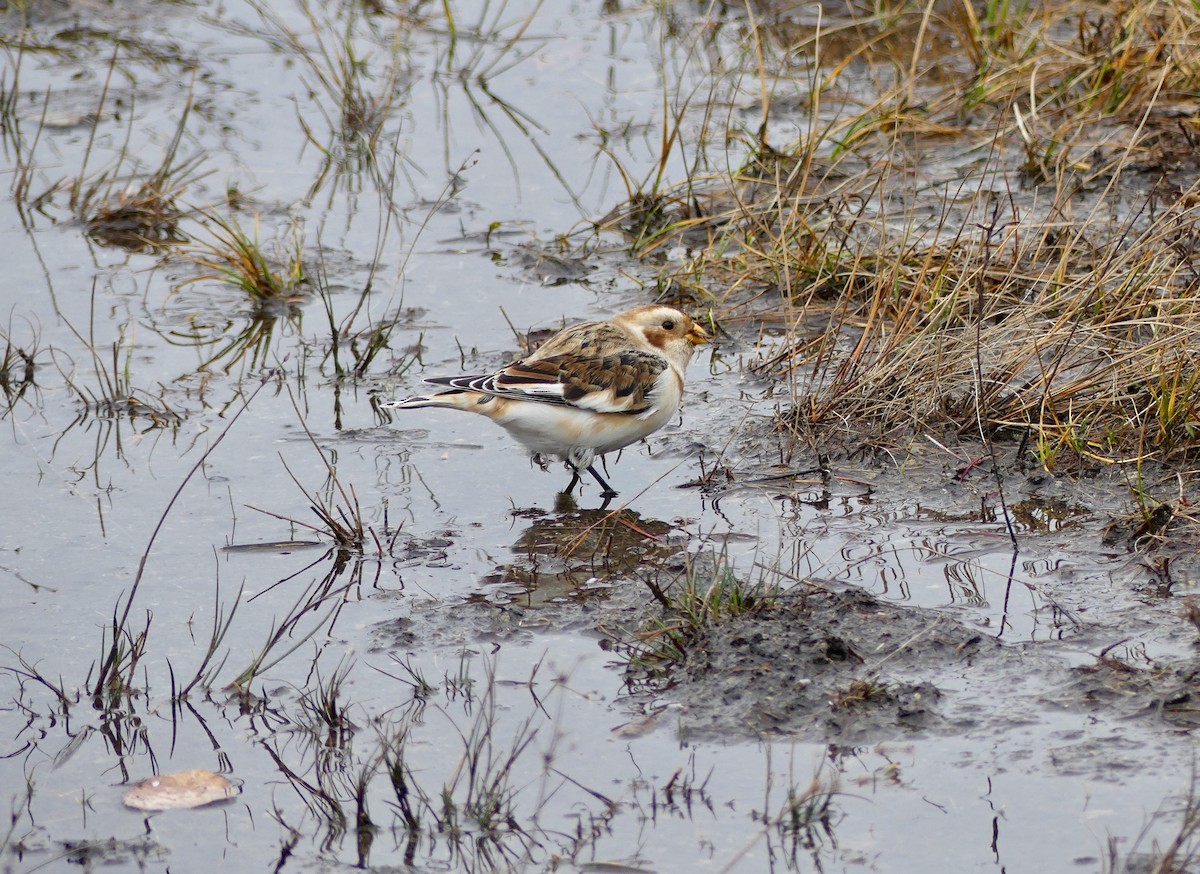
x: 589, y: 389
x: 582, y: 554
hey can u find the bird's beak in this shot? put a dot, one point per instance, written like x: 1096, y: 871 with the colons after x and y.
x: 697, y: 335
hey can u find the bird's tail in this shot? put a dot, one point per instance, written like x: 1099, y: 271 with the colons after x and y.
x: 457, y: 399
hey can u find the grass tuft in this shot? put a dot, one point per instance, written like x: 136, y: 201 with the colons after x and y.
x: 270, y: 274
x: 690, y: 605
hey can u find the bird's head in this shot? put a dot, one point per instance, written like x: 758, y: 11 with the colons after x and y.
x: 672, y: 332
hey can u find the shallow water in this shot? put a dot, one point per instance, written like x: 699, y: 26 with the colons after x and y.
x: 490, y: 149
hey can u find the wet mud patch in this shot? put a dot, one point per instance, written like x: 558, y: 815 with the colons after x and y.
x: 846, y: 668
x: 827, y: 665
x: 1164, y: 691
x: 849, y: 670
x: 836, y: 666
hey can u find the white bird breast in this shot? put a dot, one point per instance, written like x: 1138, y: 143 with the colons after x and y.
x: 555, y: 428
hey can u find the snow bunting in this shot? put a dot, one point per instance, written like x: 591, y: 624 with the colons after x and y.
x: 589, y: 389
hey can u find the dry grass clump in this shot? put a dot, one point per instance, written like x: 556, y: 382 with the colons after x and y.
x: 120, y: 205
x: 136, y: 218
x: 1108, y: 58
x: 1086, y: 348
x: 988, y: 226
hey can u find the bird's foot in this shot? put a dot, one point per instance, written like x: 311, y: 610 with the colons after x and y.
x: 606, y: 491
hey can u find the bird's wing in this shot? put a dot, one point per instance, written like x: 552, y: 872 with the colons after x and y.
x: 621, y: 382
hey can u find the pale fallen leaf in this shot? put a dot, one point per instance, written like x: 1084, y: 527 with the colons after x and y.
x: 636, y: 728
x: 180, y: 790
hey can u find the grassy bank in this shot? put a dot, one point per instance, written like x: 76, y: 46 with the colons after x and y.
x: 959, y: 220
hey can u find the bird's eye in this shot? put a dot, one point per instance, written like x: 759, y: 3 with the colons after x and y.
x: 668, y: 325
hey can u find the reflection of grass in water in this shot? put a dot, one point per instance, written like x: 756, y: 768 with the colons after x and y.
x: 122, y: 648
x: 113, y: 394
x: 805, y: 821
x: 365, y: 342
x: 478, y: 810
x: 366, y: 85
x: 337, y: 510
x: 482, y: 810
x: 341, y: 520
x: 1176, y: 855
x: 251, y: 345
x: 326, y: 705
x: 362, y: 775
x: 17, y: 367
x: 115, y: 679
x: 476, y: 54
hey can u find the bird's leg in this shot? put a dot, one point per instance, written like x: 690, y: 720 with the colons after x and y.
x: 574, y: 480
x: 608, y: 491
x: 579, y: 459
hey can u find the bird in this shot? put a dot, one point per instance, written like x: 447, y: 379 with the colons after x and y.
x: 590, y: 389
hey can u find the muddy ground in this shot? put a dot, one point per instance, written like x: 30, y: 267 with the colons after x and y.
x: 822, y: 661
